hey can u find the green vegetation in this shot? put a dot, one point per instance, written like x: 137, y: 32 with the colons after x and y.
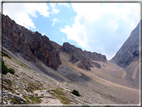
x: 15, y: 100
x: 5, y: 70
x: 75, y: 93
x: 6, y: 55
x: 7, y: 88
x: 32, y: 87
x: 35, y: 99
x: 11, y: 71
x: 60, y: 95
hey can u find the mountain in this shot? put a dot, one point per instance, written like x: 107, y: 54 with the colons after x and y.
x: 32, y: 45
x: 128, y: 56
x: 40, y: 71
x: 129, y: 50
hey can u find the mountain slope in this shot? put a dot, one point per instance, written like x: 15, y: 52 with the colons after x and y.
x: 129, y: 50
x: 128, y: 57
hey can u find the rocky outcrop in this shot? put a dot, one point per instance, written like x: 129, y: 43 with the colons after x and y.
x: 134, y: 55
x: 16, y: 99
x: 94, y: 56
x: 56, y: 46
x: 76, y: 54
x: 129, y: 50
x: 30, y: 45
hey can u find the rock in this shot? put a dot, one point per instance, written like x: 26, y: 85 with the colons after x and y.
x: 19, y: 99
x: 8, y: 81
x: 15, y: 99
x: 95, y: 56
x: 56, y: 46
x: 76, y: 54
x: 30, y: 45
x: 97, y: 64
x: 129, y: 49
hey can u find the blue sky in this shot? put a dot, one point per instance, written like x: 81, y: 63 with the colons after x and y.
x: 95, y: 27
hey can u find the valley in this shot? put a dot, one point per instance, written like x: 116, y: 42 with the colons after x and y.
x: 47, y: 73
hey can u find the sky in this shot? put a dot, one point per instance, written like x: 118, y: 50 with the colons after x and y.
x: 95, y: 27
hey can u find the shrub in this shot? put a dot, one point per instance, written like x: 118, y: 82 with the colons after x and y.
x: 11, y: 71
x: 4, y: 68
x: 76, y: 93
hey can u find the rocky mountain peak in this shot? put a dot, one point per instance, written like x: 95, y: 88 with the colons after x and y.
x: 130, y: 49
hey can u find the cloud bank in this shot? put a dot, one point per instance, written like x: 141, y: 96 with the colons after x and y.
x: 22, y: 12
x: 102, y: 27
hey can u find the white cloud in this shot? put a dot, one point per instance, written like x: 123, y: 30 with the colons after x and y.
x: 65, y: 4
x: 20, y: 12
x: 102, y: 27
x: 76, y: 33
x: 54, y: 20
x: 54, y: 10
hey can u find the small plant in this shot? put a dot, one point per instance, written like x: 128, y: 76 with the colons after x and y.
x: 11, y: 71
x: 60, y: 95
x: 75, y: 93
x: 5, y: 70
x: 35, y: 99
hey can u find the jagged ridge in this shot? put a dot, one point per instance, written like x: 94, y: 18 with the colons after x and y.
x: 30, y: 45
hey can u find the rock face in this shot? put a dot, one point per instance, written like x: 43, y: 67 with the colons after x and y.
x: 95, y: 56
x: 30, y: 45
x: 76, y: 54
x: 129, y: 50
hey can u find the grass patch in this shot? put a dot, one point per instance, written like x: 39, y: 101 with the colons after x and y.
x: 7, y: 88
x: 32, y: 87
x: 15, y: 101
x: 60, y: 95
x: 75, y: 92
x: 35, y: 99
